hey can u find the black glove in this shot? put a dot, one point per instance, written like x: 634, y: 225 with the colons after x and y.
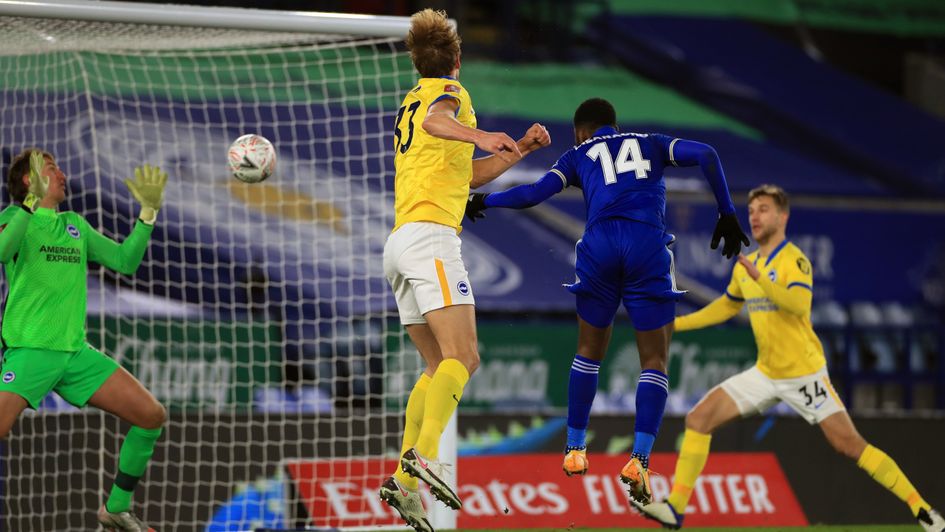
x: 728, y: 228
x: 475, y: 205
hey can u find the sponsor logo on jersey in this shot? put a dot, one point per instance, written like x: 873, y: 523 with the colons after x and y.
x: 9, y: 377
x: 73, y: 231
x: 451, y: 88
x: 463, y: 288
x: 761, y: 304
x: 62, y: 254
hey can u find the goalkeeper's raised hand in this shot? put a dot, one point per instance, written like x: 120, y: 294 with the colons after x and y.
x: 39, y: 183
x: 148, y: 189
x: 728, y: 228
x: 475, y: 205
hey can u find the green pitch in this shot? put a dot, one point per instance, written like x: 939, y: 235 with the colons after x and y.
x: 822, y: 528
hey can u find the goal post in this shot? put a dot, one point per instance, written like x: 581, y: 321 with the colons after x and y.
x: 260, y: 316
x: 216, y: 17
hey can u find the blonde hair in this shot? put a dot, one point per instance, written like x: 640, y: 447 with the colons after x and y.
x: 776, y: 193
x: 433, y: 43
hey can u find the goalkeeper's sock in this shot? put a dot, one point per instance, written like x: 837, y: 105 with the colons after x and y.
x: 446, y: 389
x: 413, y: 422
x: 692, y: 457
x: 133, y: 459
x: 884, y: 470
x: 652, y: 390
x: 582, y: 387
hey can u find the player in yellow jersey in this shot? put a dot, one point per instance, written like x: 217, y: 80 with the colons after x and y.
x: 776, y: 282
x: 434, y: 138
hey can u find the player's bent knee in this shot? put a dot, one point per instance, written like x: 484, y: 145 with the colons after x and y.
x: 468, y: 355
x: 698, y: 421
x: 5, y: 427
x: 472, y: 363
x: 155, y: 417
x: 654, y: 360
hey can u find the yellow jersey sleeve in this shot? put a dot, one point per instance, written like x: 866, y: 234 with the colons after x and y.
x: 799, y: 271
x: 718, y: 311
x: 432, y: 175
x: 734, y: 290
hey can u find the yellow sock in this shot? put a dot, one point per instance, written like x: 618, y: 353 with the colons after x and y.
x: 412, y: 423
x: 884, y: 470
x: 692, y: 457
x: 446, y: 389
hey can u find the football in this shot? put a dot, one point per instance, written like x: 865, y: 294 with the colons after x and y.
x: 252, y: 158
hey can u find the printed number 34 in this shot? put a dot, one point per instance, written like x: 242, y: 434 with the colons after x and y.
x: 819, y: 392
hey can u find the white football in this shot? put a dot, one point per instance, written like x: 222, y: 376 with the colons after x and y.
x: 252, y: 158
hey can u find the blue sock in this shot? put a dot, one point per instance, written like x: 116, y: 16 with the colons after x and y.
x: 651, y: 401
x: 582, y: 388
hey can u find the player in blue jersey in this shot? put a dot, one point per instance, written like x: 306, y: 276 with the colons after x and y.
x: 622, y: 257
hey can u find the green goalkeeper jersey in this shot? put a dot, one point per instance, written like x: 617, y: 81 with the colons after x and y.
x: 46, y: 258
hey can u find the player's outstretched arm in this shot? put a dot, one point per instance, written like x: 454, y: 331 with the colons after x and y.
x: 684, y: 152
x: 441, y: 122
x: 148, y: 189
x: 518, y: 197
x: 12, y: 233
x: 719, y: 311
x: 681, y: 152
x: 485, y: 169
x: 14, y: 228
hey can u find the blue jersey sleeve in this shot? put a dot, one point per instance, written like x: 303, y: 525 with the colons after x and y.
x: 681, y: 152
x: 665, y: 144
x: 566, y: 170
x: 524, y: 196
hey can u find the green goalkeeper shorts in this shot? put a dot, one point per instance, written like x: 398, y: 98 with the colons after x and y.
x: 74, y: 375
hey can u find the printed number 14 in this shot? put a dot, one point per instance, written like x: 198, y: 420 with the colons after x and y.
x: 629, y: 158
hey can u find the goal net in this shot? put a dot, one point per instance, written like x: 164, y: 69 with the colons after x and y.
x: 260, y: 316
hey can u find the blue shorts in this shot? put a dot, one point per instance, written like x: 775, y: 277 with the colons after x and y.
x: 623, y: 260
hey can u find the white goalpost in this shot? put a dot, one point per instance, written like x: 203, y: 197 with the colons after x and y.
x: 260, y: 316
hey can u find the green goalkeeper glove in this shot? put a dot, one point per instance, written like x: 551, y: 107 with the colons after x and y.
x: 39, y: 183
x: 148, y: 189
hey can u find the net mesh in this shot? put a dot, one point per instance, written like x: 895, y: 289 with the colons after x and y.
x: 260, y: 316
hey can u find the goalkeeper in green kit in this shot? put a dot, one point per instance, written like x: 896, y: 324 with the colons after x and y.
x: 45, y: 255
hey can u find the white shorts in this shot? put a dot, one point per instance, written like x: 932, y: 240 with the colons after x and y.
x: 812, y: 396
x: 424, y: 266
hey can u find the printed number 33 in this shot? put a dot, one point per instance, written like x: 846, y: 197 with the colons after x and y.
x: 398, y: 134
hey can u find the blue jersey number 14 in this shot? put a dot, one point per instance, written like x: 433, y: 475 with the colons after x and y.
x: 628, y: 158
